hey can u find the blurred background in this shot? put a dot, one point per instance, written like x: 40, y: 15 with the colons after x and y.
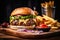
x: 7, y: 6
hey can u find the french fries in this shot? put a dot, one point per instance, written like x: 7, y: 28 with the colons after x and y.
x: 49, y: 20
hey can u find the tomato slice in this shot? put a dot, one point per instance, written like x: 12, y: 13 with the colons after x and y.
x: 42, y: 26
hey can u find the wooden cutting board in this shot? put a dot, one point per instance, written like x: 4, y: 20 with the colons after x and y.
x: 9, y: 31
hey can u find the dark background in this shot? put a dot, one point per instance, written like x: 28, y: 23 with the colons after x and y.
x: 7, y: 6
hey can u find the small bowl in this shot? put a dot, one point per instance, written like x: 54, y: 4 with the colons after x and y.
x: 44, y: 29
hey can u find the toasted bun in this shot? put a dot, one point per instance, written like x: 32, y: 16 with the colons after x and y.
x: 22, y: 11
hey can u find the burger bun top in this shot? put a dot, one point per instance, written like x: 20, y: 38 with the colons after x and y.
x: 22, y: 11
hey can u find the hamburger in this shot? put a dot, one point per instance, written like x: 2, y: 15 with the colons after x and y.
x: 23, y: 16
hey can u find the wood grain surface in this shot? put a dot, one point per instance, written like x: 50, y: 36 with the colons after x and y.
x: 30, y: 35
x: 45, y: 36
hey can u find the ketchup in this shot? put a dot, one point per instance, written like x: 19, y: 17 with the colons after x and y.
x: 42, y: 24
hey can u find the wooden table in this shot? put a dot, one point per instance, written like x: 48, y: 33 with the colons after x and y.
x: 9, y: 37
